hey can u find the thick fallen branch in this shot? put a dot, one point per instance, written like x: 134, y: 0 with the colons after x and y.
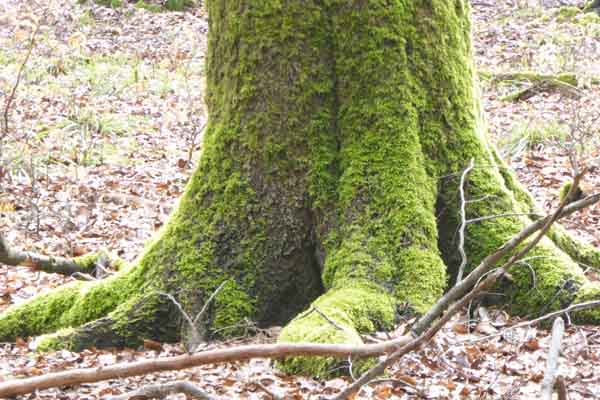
x: 558, y: 329
x: 50, y: 264
x: 87, y: 375
x: 161, y: 391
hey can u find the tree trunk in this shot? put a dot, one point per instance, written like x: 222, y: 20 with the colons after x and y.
x: 329, y: 175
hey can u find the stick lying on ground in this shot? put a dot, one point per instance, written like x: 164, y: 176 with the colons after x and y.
x: 77, y: 376
x: 50, y: 264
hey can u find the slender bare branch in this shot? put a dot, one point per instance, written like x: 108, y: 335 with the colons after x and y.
x: 13, y: 92
x: 463, y: 221
x: 558, y: 329
x: 87, y: 375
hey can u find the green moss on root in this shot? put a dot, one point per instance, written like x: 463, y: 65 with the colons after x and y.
x: 339, y: 316
x: 590, y: 291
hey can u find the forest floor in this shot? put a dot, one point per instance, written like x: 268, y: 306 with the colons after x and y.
x: 104, y: 132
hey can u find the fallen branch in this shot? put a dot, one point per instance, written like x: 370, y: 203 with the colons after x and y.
x: 558, y: 329
x: 161, y: 391
x: 39, y: 262
x: 87, y: 375
x: 549, y: 85
x: 530, y: 76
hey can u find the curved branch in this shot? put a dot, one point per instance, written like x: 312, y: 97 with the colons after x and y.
x: 39, y: 262
x: 74, y: 377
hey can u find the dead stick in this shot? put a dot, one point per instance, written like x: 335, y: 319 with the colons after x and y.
x: 77, y: 376
x: 558, y: 329
x: 489, y: 262
x: 38, y: 262
x: 13, y: 92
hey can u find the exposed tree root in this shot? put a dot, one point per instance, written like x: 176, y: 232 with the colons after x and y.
x: 529, y: 76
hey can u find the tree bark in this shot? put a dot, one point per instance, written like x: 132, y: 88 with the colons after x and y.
x: 328, y: 176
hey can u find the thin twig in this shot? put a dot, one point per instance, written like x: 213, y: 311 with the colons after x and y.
x: 332, y: 322
x: 573, y: 307
x: 13, y: 91
x: 558, y: 329
x: 463, y: 221
x: 88, y: 375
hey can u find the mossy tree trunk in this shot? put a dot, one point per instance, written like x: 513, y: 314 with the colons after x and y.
x: 329, y: 176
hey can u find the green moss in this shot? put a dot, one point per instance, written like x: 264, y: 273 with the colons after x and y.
x: 589, y: 18
x: 54, y: 341
x: 566, y: 14
x: 343, y: 313
x: 68, y: 306
x: 590, y: 291
x: 155, y: 8
x: 110, y: 3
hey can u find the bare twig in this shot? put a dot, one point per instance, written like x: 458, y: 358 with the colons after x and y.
x: 13, y: 91
x: 207, y: 303
x: 197, y: 337
x: 463, y: 221
x: 326, y: 318
x: 161, y: 391
x: 558, y: 329
x: 565, y: 311
x: 274, y: 396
